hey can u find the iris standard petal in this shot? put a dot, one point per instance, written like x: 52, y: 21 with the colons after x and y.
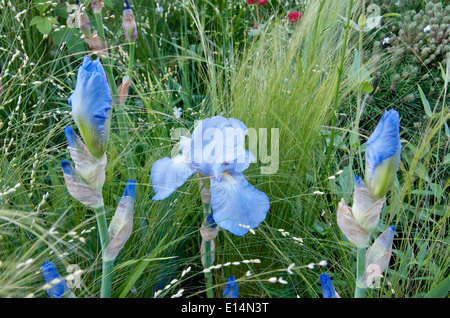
x: 58, y: 285
x: 327, y: 287
x: 241, y: 163
x: 169, y: 174
x: 216, y: 141
x: 231, y: 288
x: 91, y: 105
x: 383, y: 153
x: 237, y: 205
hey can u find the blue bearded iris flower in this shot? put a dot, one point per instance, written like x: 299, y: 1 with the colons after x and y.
x: 216, y: 150
x: 231, y: 288
x: 383, y: 153
x: 59, y: 287
x: 327, y: 287
x: 91, y: 105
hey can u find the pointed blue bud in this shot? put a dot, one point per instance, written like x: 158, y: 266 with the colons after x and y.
x: 91, y: 105
x: 59, y: 288
x: 378, y: 257
x: 121, y: 225
x: 231, y: 288
x: 383, y: 153
x: 327, y: 287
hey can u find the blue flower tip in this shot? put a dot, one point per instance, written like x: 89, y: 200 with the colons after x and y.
x: 130, y: 188
x: 66, y: 166
x: 70, y: 136
x: 393, y: 227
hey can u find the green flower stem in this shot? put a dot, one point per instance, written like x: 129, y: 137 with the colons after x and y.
x: 208, y: 258
x: 130, y: 58
x: 107, y: 266
x: 360, y: 268
x: 208, y: 276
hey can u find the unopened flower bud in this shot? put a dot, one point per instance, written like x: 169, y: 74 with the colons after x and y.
x: 377, y: 258
x: 84, y: 23
x: 231, y: 288
x: 350, y: 227
x: 122, y: 223
x: 97, y: 6
x: 97, y: 45
x: 383, y: 154
x: 366, y: 206
x: 129, y: 23
x: 122, y: 90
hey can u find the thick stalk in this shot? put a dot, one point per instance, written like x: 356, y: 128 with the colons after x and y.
x: 360, y: 267
x: 208, y: 276
x: 107, y: 266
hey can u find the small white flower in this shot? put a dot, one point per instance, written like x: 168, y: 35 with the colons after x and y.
x: 427, y: 28
x: 289, y: 269
x: 385, y: 40
x: 323, y: 263
x: 272, y: 280
x: 177, y: 112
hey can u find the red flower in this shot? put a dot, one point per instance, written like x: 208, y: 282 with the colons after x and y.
x: 255, y: 26
x: 257, y: 2
x: 294, y: 16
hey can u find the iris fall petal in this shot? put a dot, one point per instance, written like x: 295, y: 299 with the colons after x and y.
x: 236, y: 204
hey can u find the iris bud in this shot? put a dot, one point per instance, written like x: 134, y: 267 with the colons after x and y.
x: 231, y: 288
x: 129, y: 23
x: 121, y: 224
x: 383, y: 154
x: 377, y: 258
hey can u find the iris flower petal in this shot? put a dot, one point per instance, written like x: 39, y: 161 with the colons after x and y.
x: 236, y: 204
x: 215, y: 141
x: 91, y: 105
x: 168, y: 174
